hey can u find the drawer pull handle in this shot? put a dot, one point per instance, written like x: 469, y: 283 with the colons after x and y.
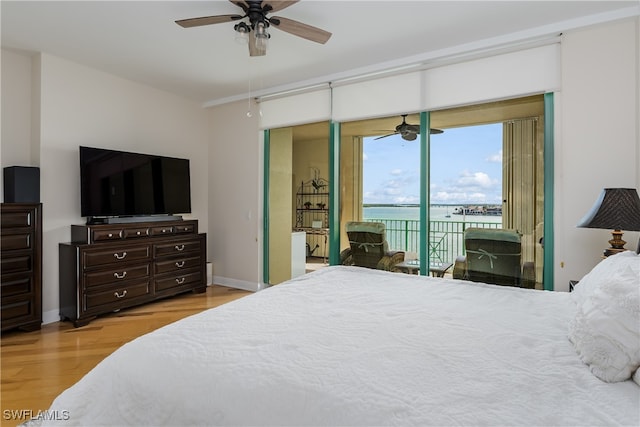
x: 138, y: 233
x: 120, y: 276
x: 164, y: 230
x: 179, y: 248
x: 179, y: 281
x: 120, y: 296
x: 124, y: 254
x: 110, y: 234
x: 180, y: 264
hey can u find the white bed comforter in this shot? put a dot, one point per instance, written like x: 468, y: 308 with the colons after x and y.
x: 349, y: 346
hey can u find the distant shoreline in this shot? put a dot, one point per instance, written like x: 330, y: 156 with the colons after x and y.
x: 408, y: 205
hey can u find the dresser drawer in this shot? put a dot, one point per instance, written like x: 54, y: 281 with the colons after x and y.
x: 116, y: 295
x: 16, y: 264
x: 107, y: 234
x: 118, y: 275
x: 93, y: 258
x: 15, y: 219
x: 17, y: 284
x: 184, y: 228
x: 178, y: 281
x: 161, y: 230
x: 132, y: 233
x: 176, y: 248
x: 176, y: 265
x: 16, y: 242
x: 15, y: 310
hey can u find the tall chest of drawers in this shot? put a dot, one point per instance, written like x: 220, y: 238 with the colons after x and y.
x: 108, y: 267
x: 21, y: 254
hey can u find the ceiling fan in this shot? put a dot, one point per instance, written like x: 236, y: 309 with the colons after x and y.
x: 255, y: 31
x: 408, y: 132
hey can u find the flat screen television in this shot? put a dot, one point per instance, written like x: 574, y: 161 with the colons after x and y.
x: 123, y: 184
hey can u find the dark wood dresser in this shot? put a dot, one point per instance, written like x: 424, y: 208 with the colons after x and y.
x: 108, y: 267
x: 21, y: 283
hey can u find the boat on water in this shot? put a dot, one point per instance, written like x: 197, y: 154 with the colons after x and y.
x: 479, y: 210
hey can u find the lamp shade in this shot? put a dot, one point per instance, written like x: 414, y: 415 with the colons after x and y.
x: 615, y: 209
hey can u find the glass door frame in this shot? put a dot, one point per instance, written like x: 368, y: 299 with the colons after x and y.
x: 334, y: 195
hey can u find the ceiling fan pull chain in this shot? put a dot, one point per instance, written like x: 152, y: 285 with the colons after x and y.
x: 249, y: 113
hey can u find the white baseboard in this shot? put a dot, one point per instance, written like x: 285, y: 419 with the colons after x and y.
x: 51, y: 316
x: 238, y: 284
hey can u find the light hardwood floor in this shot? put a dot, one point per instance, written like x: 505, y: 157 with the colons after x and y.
x: 37, y: 366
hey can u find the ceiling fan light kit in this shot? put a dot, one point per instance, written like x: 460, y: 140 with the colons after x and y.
x: 242, y: 33
x: 262, y: 36
x: 254, y: 32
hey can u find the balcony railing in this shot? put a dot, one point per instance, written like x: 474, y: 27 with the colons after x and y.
x: 446, y: 238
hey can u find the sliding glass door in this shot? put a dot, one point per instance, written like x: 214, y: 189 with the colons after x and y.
x: 480, y: 166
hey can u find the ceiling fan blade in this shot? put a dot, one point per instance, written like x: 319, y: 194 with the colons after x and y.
x: 384, y: 136
x: 253, y: 50
x: 435, y: 131
x: 241, y: 3
x: 207, y: 20
x: 275, y: 5
x: 301, y: 30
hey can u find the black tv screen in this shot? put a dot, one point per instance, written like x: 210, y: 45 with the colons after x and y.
x: 119, y: 183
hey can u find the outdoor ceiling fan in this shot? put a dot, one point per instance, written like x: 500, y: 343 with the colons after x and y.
x: 408, y: 132
x: 254, y: 30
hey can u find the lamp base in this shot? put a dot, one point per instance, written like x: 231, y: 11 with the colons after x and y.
x: 612, y: 251
x: 617, y: 244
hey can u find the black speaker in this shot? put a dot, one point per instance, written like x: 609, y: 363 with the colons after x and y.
x: 22, y: 184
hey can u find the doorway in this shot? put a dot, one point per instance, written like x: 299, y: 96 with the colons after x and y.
x: 504, y: 114
x: 298, y: 208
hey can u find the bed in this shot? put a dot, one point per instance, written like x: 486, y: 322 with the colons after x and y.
x: 350, y: 346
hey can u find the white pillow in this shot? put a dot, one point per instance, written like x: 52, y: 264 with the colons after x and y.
x: 603, y: 271
x: 636, y: 376
x: 606, y: 328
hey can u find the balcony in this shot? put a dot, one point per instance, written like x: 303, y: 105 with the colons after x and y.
x: 446, y: 238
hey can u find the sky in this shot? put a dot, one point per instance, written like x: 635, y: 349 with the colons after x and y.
x: 466, y: 167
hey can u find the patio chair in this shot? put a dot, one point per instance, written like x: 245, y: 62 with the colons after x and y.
x: 369, y: 248
x: 494, y: 256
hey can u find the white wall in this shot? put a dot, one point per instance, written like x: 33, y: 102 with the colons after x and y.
x: 235, y: 196
x: 597, y: 138
x: 83, y: 106
x: 16, y: 147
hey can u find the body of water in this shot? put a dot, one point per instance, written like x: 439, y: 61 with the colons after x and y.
x: 446, y: 228
x: 436, y: 212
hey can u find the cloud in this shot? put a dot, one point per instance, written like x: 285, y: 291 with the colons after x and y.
x: 475, y: 180
x: 398, y: 188
x: 495, y: 158
x: 468, y: 188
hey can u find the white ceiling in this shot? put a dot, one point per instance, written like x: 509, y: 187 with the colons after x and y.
x: 139, y: 40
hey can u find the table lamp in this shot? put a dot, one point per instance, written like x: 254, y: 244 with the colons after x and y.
x: 616, y: 209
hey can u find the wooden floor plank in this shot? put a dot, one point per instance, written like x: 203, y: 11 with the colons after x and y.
x: 37, y: 366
